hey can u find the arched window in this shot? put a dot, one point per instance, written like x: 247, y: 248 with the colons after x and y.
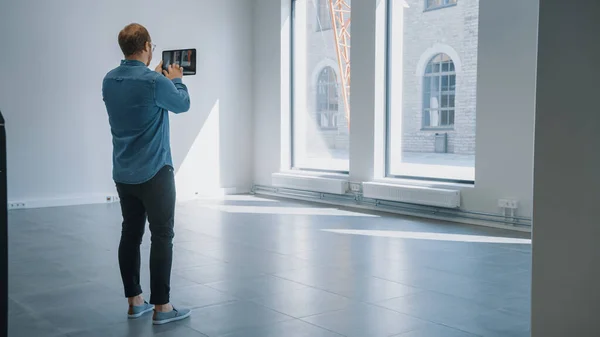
x: 323, y: 15
x: 439, y: 93
x: 327, y: 99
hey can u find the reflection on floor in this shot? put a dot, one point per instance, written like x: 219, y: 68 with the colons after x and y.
x: 254, y: 267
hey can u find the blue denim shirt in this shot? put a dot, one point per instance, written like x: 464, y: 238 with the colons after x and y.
x: 138, y: 101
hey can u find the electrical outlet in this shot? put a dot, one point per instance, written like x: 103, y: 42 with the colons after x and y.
x: 112, y: 198
x: 508, y: 203
x: 16, y: 205
x: 355, y: 187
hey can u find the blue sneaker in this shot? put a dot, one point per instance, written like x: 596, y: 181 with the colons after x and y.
x: 171, y: 316
x: 137, y: 311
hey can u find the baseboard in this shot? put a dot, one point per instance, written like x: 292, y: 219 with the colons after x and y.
x: 391, y: 210
x: 61, y: 201
x: 16, y: 204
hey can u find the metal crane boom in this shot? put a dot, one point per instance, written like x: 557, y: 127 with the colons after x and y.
x: 340, y: 19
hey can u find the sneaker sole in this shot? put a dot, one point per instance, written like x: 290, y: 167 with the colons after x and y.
x: 170, y: 320
x: 140, y: 314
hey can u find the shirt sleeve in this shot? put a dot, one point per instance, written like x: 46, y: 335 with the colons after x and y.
x: 171, y: 95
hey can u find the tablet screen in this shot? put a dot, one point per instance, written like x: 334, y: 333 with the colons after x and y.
x: 186, y: 58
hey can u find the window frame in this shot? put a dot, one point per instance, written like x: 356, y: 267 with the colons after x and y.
x: 331, y: 74
x: 428, y: 8
x: 388, y: 112
x: 439, y: 75
x: 292, y: 161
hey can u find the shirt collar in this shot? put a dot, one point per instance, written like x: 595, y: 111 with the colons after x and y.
x: 132, y: 63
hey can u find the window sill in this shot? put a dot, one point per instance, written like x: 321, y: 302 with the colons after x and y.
x: 432, y: 9
x: 423, y: 183
x: 329, y: 129
x: 314, y: 174
x: 437, y: 129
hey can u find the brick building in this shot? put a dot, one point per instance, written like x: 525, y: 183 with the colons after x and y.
x: 440, y: 74
x: 439, y: 77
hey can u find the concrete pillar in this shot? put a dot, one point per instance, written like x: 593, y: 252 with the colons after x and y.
x: 566, y: 215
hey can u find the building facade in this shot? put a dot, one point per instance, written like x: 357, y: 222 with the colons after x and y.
x: 439, y: 77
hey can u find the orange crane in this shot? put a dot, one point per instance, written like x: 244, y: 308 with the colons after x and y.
x: 340, y: 19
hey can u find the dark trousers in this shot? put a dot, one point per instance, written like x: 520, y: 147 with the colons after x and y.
x: 154, y: 200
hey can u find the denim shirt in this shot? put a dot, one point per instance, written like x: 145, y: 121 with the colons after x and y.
x: 138, y: 101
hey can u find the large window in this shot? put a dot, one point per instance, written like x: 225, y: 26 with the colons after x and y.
x: 431, y: 91
x: 320, y: 85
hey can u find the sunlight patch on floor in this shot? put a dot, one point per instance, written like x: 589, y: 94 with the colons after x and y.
x: 431, y: 236
x: 286, y: 210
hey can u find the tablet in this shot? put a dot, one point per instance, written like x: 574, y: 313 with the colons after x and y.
x: 186, y: 58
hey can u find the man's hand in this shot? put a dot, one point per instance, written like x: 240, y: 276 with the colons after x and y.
x: 158, y: 68
x: 173, y: 71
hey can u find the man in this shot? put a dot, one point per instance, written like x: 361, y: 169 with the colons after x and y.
x: 138, y: 101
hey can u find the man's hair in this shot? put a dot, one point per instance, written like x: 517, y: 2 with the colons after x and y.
x: 133, y: 38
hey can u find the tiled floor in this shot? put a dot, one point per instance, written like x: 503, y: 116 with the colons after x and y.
x: 253, y: 267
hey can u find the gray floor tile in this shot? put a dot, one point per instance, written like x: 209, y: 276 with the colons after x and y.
x: 198, y: 296
x: 181, y: 332
x: 372, y: 289
x: 366, y: 320
x: 436, y: 330
x: 295, y: 328
x: 32, y: 325
x: 133, y: 328
x: 304, y: 302
x: 262, y: 286
x: 232, y: 317
x: 435, y: 307
x: 15, y: 309
x: 183, y: 259
x: 257, y: 259
x: 21, y: 286
x: 497, y: 324
x: 199, y: 243
x: 82, y: 317
x: 352, y: 284
x: 70, y: 295
x: 217, y: 272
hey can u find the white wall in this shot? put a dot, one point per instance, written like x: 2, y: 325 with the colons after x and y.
x: 505, y: 104
x: 54, y: 55
x: 566, y: 254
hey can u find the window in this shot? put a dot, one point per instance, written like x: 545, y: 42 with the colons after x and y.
x: 323, y: 15
x: 431, y: 92
x: 439, y: 93
x: 320, y: 87
x: 327, y: 99
x: 433, y: 4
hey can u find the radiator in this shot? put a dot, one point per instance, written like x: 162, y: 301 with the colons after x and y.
x: 315, y: 184
x: 413, y: 194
